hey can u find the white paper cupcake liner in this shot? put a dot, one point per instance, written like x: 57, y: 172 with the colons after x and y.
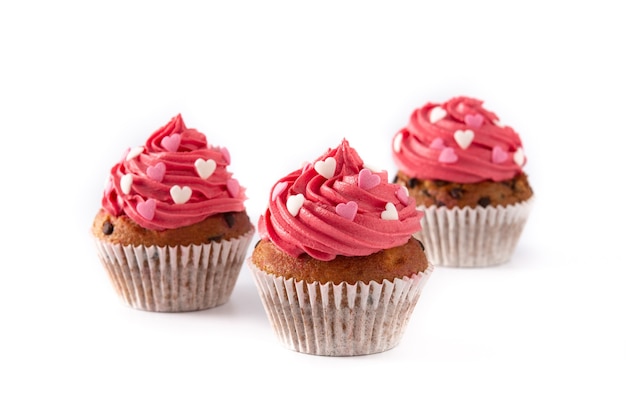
x: 472, y: 237
x: 339, y: 320
x: 175, y: 278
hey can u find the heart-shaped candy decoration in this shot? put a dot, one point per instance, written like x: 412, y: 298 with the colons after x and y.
x: 146, y: 208
x: 179, y: 194
x: 205, y: 168
x: 403, y: 195
x: 226, y: 155
x: 156, y: 172
x: 474, y: 120
x: 397, y: 142
x: 368, y: 180
x: 126, y: 182
x: 448, y: 156
x: 437, y: 143
x: 134, y: 152
x: 464, y: 138
x: 498, y: 155
x: 108, y: 185
x: 347, y: 210
x: 232, y: 185
x: 171, y: 142
x: 390, y: 212
x: 519, y: 157
x: 326, y: 168
x: 278, y: 188
x: 436, y: 114
x: 294, y: 204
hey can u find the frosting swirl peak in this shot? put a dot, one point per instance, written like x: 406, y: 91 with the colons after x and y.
x: 176, y: 179
x: 458, y: 141
x: 336, y: 206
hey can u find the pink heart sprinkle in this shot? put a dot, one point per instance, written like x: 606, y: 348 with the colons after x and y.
x: 437, y: 143
x: 108, y: 186
x: 403, y: 195
x: 156, y: 172
x: 368, y: 180
x: 448, y: 156
x: 279, y: 188
x: 498, y: 155
x: 474, y: 120
x: 147, y: 208
x: 171, y: 142
x: 347, y: 210
x: 232, y: 185
x: 226, y: 155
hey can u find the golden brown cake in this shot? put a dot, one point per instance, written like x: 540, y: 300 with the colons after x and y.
x: 337, y: 267
x: 464, y: 169
x: 386, y: 264
x: 123, y: 230
x: 173, y: 230
x: 450, y: 194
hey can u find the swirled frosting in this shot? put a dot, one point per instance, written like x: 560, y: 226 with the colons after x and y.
x: 336, y: 206
x: 176, y: 179
x: 458, y: 141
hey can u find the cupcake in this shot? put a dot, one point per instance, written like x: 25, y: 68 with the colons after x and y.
x: 337, y: 267
x: 464, y: 168
x: 173, y: 231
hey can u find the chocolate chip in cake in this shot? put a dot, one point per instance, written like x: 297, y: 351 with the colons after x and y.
x: 440, y: 203
x: 484, y: 201
x: 215, y: 238
x: 413, y: 182
x: 107, y: 228
x: 440, y: 183
x: 456, y: 193
x: 230, y: 219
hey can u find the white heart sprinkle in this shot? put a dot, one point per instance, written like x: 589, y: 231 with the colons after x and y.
x: 134, y: 152
x: 390, y: 212
x: 326, y: 168
x: 180, y: 195
x: 397, y: 142
x: 464, y: 138
x: 294, y: 204
x: 436, y: 114
x: 205, y: 168
x: 126, y: 182
x: 519, y: 157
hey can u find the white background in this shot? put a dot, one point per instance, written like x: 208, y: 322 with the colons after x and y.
x: 279, y: 83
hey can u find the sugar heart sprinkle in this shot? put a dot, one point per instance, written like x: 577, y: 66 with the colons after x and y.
x: 367, y: 180
x: 179, y: 194
x: 448, y: 156
x: 390, y: 212
x: 436, y: 114
x: 464, y: 138
x: 126, y: 181
x: 156, y: 172
x: 294, y: 204
x: 347, y: 210
x: 326, y: 168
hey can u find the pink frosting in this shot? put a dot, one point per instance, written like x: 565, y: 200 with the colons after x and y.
x: 176, y: 179
x: 336, y: 206
x: 458, y: 141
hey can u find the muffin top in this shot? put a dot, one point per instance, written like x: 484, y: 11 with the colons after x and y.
x: 336, y: 206
x: 175, y: 179
x: 458, y: 141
